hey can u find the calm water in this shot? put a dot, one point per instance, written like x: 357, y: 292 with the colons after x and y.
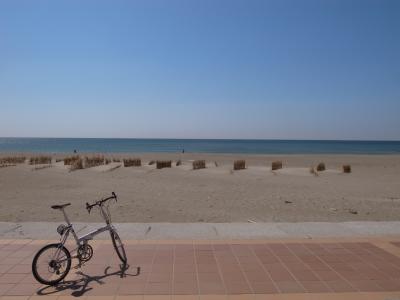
x: 192, y: 145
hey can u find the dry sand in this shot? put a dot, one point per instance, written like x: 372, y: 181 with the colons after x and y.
x: 215, y: 194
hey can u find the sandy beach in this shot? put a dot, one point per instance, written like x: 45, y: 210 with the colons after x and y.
x: 215, y: 194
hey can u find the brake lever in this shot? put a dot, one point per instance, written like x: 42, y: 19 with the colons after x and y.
x: 115, y: 196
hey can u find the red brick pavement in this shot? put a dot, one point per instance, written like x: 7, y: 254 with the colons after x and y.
x: 213, y: 269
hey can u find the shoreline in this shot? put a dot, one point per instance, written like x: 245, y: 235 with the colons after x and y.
x: 210, y: 146
x: 191, y: 155
x: 35, y: 153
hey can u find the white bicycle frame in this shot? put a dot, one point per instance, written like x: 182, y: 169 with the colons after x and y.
x: 89, y: 236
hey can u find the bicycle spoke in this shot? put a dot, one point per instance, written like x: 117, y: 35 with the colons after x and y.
x: 51, y: 264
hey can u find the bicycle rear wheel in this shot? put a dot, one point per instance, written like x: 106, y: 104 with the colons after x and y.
x: 118, y: 246
x: 51, y: 264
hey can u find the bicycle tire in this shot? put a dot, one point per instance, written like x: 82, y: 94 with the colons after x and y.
x: 118, y: 246
x: 35, y: 272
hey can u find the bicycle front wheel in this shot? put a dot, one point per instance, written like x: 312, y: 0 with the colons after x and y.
x: 118, y: 246
x: 51, y: 264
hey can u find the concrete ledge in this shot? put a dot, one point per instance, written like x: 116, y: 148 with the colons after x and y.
x: 209, y: 231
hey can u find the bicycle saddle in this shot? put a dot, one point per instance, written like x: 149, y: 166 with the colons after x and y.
x: 60, y: 206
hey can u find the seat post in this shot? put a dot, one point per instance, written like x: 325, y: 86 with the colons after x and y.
x: 65, y: 217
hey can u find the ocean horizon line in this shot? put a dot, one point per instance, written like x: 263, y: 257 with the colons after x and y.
x: 140, y: 145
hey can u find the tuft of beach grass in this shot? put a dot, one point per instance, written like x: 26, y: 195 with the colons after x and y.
x: 199, y: 164
x: 94, y: 161
x: 77, y: 164
x: 239, y: 164
x: 321, y: 167
x: 12, y: 160
x: 163, y: 164
x: 39, y: 160
x: 346, y: 169
x: 276, y: 165
x: 69, y: 160
x: 132, y: 162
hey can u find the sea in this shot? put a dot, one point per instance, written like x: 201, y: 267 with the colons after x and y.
x: 117, y: 145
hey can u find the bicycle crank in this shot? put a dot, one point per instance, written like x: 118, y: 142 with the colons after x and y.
x: 85, y: 252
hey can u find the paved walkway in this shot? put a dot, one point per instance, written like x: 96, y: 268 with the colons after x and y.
x: 341, y: 268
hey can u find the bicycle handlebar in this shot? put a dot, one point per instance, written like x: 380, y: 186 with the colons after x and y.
x: 100, y: 202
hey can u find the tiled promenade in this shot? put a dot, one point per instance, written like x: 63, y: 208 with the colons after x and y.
x: 264, y: 269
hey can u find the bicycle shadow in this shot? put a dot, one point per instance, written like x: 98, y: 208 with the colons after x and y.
x: 81, y: 286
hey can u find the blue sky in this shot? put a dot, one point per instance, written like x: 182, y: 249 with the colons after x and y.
x: 323, y: 69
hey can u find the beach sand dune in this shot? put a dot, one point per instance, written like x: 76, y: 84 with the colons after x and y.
x: 214, y: 194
